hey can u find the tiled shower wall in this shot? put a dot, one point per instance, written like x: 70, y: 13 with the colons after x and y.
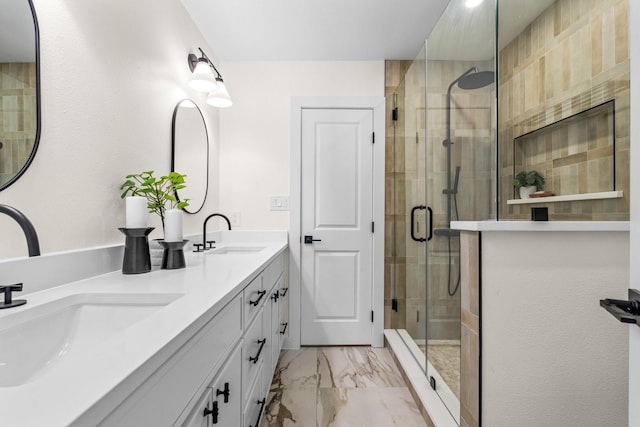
x: 17, y: 116
x: 574, y: 56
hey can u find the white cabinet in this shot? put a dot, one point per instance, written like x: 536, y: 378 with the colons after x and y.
x: 180, y: 381
x: 220, y: 377
x: 253, y: 353
x: 226, y: 393
x: 249, y: 369
x: 254, y: 297
x: 200, y: 416
x: 256, y: 402
x: 284, y: 299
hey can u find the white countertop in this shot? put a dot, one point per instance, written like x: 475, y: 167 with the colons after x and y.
x: 492, y: 225
x: 114, y: 368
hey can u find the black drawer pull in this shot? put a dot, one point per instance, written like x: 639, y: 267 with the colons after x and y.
x: 262, y: 342
x: 213, y: 412
x: 224, y: 392
x: 261, y: 403
x: 282, y: 332
x: 260, y: 295
x: 284, y: 291
x: 275, y: 296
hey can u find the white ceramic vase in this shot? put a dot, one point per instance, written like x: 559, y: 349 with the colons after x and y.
x: 525, y: 192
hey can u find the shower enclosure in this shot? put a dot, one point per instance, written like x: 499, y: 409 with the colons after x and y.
x: 443, y: 169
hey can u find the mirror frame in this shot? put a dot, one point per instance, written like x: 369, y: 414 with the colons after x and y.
x: 36, y: 142
x: 173, y: 152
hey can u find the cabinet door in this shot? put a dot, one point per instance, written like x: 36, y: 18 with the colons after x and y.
x: 274, y: 330
x: 255, y: 403
x: 200, y: 416
x: 227, y: 393
x: 254, y: 297
x: 253, y: 353
x: 284, y: 307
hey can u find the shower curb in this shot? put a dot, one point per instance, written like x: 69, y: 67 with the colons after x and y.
x: 431, y: 407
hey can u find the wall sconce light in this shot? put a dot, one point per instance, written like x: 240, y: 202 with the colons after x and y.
x: 203, y: 80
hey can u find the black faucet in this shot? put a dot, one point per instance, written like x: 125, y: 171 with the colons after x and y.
x: 27, y: 228
x: 9, y: 302
x: 208, y: 244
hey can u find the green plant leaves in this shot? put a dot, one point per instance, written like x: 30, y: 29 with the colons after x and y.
x: 527, y: 179
x: 160, y: 192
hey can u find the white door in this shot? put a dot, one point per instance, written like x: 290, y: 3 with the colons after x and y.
x: 336, y: 226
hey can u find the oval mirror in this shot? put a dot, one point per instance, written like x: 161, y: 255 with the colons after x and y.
x: 190, y: 153
x: 19, y: 89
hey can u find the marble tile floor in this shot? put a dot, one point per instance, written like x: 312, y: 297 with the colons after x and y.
x: 339, y: 387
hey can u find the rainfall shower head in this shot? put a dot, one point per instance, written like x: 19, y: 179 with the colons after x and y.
x: 472, y: 79
x: 476, y: 80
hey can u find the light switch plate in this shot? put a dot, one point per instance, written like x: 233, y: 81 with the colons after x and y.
x: 234, y: 217
x: 279, y: 203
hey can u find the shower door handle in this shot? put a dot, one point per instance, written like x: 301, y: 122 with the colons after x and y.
x: 413, y: 223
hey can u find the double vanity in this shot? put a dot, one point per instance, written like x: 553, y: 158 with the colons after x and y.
x: 191, y: 347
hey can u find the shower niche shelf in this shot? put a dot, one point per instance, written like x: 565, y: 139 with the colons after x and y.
x: 568, y: 198
x: 576, y: 155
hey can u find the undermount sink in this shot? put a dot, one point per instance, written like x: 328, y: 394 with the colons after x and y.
x: 237, y: 250
x: 36, y: 339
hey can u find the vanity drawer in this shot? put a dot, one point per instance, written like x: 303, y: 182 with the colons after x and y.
x: 254, y: 298
x: 256, y: 404
x: 180, y: 382
x: 273, y: 271
x: 254, y: 352
x: 198, y: 417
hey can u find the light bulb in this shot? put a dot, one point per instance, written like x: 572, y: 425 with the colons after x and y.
x: 202, y: 78
x: 220, y: 97
x: 472, y: 3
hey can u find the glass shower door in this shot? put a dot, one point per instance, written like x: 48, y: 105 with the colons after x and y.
x: 459, y: 172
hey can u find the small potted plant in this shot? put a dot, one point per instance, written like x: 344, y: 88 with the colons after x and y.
x: 528, y: 182
x: 159, y: 192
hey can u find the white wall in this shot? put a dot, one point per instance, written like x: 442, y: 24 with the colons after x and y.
x: 634, y: 331
x: 112, y: 72
x: 551, y: 356
x: 255, y: 132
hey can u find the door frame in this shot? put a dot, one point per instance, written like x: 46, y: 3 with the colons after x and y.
x: 634, y: 201
x: 377, y: 105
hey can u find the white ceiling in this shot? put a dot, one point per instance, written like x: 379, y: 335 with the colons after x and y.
x: 357, y: 29
x: 323, y: 30
x: 315, y: 29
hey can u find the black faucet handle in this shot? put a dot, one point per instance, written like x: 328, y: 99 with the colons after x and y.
x: 17, y: 287
x: 210, y: 244
x: 199, y: 247
x: 8, y: 295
